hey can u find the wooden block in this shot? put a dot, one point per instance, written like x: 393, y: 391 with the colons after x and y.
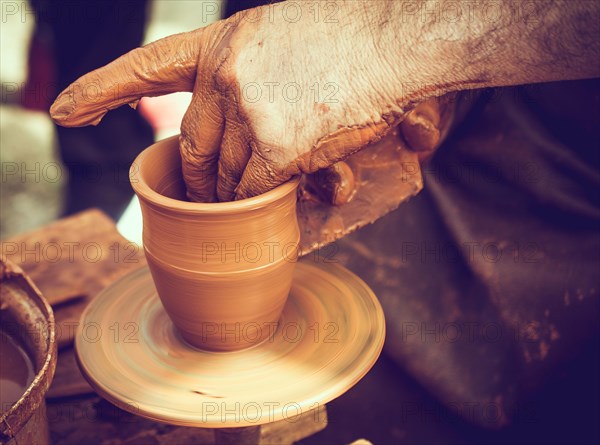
x: 68, y: 381
x: 73, y: 257
x: 385, y: 173
x: 93, y: 420
x: 288, y: 431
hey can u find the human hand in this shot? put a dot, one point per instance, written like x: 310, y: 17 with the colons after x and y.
x: 271, y: 98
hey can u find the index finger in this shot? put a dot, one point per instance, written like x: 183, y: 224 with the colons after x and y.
x: 165, y: 66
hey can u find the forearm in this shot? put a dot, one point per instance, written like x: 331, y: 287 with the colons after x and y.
x: 536, y: 41
x: 464, y: 44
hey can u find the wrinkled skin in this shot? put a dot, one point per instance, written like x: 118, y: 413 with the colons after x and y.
x: 274, y: 96
x: 232, y: 145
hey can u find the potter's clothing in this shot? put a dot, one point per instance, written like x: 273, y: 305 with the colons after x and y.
x: 86, y: 35
x: 489, y: 278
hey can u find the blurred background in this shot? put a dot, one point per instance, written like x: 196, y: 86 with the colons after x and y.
x: 34, y: 176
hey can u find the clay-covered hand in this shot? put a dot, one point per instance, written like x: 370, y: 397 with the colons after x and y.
x: 422, y: 131
x: 272, y: 96
x: 296, y: 86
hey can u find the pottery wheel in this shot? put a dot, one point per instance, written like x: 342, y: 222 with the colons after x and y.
x: 329, y: 335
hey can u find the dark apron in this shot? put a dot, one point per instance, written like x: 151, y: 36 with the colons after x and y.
x: 489, y: 278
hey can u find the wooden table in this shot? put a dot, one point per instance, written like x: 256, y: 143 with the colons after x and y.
x: 71, y: 261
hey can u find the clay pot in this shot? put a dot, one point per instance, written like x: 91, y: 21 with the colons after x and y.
x: 27, y: 321
x: 223, y: 271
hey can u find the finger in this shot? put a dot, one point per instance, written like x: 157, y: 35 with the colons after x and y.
x: 340, y: 144
x: 258, y: 177
x: 261, y: 176
x: 334, y: 185
x: 165, y: 66
x: 421, y: 127
x: 233, y: 157
x: 201, y: 134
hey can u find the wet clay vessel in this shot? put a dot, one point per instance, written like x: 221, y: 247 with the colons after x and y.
x: 223, y: 271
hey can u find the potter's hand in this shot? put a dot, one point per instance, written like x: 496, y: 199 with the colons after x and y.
x: 291, y: 88
x: 272, y: 96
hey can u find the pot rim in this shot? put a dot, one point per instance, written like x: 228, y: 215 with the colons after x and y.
x: 145, y: 192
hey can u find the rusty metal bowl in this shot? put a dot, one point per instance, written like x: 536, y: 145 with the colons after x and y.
x: 27, y: 317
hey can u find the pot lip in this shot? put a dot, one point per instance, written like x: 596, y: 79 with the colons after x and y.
x: 35, y: 393
x: 144, y: 192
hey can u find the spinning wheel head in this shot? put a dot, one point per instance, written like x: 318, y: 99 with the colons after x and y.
x: 330, y: 333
